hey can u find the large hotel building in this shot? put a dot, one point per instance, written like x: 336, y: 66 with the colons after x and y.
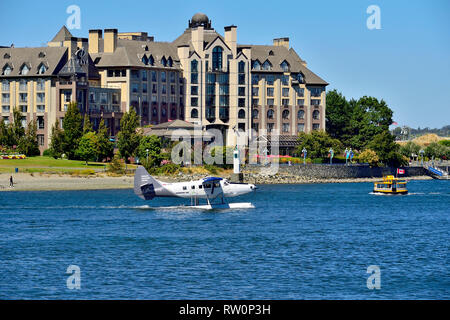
x: 201, y: 77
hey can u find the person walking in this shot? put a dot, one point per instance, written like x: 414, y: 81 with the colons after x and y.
x: 11, y: 182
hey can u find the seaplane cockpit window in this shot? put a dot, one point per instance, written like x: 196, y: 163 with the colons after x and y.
x: 184, y: 188
x: 200, y: 186
x: 216, y: 184
x: 207, y: 186
x: 193, y: 187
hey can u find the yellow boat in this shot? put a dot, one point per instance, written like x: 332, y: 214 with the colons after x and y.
x: 390, y: 185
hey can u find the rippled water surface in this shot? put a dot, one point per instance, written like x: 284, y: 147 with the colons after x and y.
x: 301, y: 242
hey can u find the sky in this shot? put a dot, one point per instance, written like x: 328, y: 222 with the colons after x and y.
x: 406, y: 62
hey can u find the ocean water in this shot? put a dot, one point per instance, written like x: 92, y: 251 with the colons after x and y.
x: 300, y: 242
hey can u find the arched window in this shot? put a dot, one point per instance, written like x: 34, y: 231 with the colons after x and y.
x: 170, y: 62
x: 256, y: 65
x: 241, y: 68
x: 217, y: 61
x: 145, y: 60
x: 194, y: 66
x: 241, y: 114
x: 301, y: 114
x: 285, y: 114
x: 271, y: 53
x: 270, y: 114
x: 164, y: 61
x: 163, y: 112
x: 300, y: 78
x: 316, y: 114
x: 151, y: 61
x: 173, y: 113
x: 285, y: 66
x: 155, y: 112
x: 42, y: 68
x: 266, y: 65
x: 255, y: 113
x: 194, y: 113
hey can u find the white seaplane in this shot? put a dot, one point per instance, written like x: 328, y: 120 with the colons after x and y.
x: 214, y: 190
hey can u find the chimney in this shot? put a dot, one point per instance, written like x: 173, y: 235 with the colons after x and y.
x: 94, y: 39
x: 197, y: 39
x: 110, y: 43
x: 281, y: 42
x: 231, y: 38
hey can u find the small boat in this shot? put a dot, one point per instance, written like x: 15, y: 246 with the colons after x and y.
x: 390, y: 185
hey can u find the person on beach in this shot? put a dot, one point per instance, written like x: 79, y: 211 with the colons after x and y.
x: 11, y: 182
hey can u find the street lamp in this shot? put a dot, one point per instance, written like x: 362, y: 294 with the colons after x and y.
x: 147, y: 155
x: 421, y: 154
x: 331, y: 151
x: 305, y: 152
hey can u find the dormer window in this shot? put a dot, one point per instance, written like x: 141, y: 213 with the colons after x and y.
x: 170, y: 62
x: 41, y: 54
x: 217, y: 58
x: 164, y: 61
x: 6, y: 56
x: 300, y: 78
x: 24, y: 70
x: 151, y: 61
x: 271, y: 53
x: 146, y: 48
x: 144, y: 60
x: 42, y: 69
x: 285, y: 66
x: 256, y: 65
x: 266, y: 65
x: 7, y: 70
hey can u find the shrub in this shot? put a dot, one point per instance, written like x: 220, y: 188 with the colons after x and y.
x: 369, y: 156
x: 116, y: 165
x: 47, y: 153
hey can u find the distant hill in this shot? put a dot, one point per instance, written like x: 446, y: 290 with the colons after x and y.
x: 412, y: 133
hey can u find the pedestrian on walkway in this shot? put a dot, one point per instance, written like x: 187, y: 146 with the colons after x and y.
x: 11, y: 182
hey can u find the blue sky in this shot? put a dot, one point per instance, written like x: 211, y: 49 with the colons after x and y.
x: 406, y: 63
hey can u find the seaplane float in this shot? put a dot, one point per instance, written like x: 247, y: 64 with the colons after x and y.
x: 213, y: 190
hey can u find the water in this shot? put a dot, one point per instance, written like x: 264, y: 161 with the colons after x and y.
x: 301, y: 242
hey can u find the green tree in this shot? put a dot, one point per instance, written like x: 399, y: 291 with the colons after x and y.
x: 437, y: 150
x: 318, y: 143
x: 87, y: 125
x: 73, y: 130
x: 106, y: 147
x: 16, y: 130
x: 387, y: 149
x: 370, y: 157
x: 88, y: 147
x: 338, y: 117
x: 116, y: 166
x: 28, y: 144
x: 409, y: 148
x: 128, y: 138
x: 4, y: 134
x: 151, y: 143
x: 57, y: 141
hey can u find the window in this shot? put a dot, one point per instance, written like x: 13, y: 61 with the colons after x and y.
x: 164, y: 61
x: 241, y: 91
x: 285, y: 102
x: 23, y: 97
x: 217, y: 58
x: 144, y: 60
x: 154, y: 88
x: 270, y: 92
x: 194, y: 78
x: 163, y: 112
x: 285, y: 80
x: 40, y: 97
x: 300, y: 78
x: 267, y: 66
x: 40, y: 122
x: 241, y: 67
x: 172, y: 89
x: 241, y: 127
x: 163, y: 89
x: 23, y: 122
x: 144, y: 75
x: 270, y: 102
x: 315, y: 102
x: 172, y: 77
x: 6, y: 120
x: 285, y: 66
x: 23, y: 85
x: 24, y: 70
x: 5, y: 109
x: 315, y: 92
x: 163, y: 77
x: 67, y: 96
x: 255, y: 91
x: 301, y: 127
x: 170, y: 62
x: 40, y: 85
x: 300, y: 115
x: 285, y: 114
x: 144, y: 88
x: 7, y: 70
x: 155, y: 112
x: 135, y: 74
x: 40, y: 108
x: 5, y: 97
x: 23, y: 108
x: 241, y: 78
x: 40, y: 139
x: 154, y: 76
x: 316, y: 126
x: 255, y: 113
x: 241, y: 102
x: 255, y: 79
x: 173, y: 113
x: 285, y: 92
x: 256, y: 65
x: 270, y: 127
x: 316, y: 114
x: 241, y: 114
x: 300, y: 102
x: 42, y: 69
x: 194, y: 90
x: 270, y: 114
x: 255, y: 102
x: 151, y: 61
x: 194, y: 102
x: 5, y: 85
x: 270, y: 79
x: 285, y: 127
x: 194, y: 66
x: 135, y: 87
x: 194, y: 113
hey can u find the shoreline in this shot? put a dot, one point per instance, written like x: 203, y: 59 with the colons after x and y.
x: 56, y: 182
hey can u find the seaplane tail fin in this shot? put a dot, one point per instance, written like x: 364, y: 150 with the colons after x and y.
x: 145, y: 184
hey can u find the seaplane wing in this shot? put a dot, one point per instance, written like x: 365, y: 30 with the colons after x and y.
x: 146, y: 187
